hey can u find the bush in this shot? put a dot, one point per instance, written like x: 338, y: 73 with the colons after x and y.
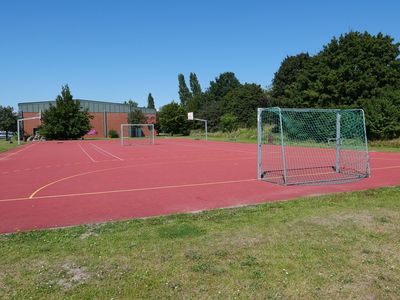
x: 113, y: 134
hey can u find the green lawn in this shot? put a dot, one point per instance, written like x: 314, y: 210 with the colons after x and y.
x: 6, y: 145
x: 244, y: 135
x: 337, y: 246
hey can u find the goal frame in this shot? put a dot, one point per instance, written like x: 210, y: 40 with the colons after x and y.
x: 337, y: 140
x: 20, y: 124
x: 150, y: 126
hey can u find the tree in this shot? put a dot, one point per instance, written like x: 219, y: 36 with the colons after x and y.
x: 136, y: 116
x: 211, y: 107
x: 228, y: 122
x: 354, y: 70
x: 383, y: 115
x: 354, y: 66
x: 65, y: 119
x: 172, y: 119
x: 8, y: 119
x: 131, y: 103
x: 150, y: 101
x: 194, y: 84
x: 184, y: 93
x: 222, y: 85
x: 288, y: 73
x: 243, y: 102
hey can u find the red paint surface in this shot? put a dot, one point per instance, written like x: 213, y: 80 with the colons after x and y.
x: 100, y: 181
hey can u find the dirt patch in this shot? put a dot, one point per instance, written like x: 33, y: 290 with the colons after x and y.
x: 87, y: 234
x: 73, y: 275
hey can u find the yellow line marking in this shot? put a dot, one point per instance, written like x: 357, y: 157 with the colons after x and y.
x: 86, y: 153
x: 116, y: 168
x: 147, y: 189
x: 165, y: 187
x: 11, y: 154
x: 107, y: 152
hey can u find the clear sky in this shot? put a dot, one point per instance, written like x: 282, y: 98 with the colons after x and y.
x: 116, y: 50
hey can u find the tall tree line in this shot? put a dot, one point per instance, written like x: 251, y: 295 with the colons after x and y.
x: 354, y: 70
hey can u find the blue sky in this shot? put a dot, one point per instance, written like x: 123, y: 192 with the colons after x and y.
x: 116, y: 50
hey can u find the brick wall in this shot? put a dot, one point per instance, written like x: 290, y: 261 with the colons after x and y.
x: 29, y: 125
x: 114, y: 121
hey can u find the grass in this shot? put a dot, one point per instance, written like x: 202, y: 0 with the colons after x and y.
x: 249, y: 135
x: 337, y: 246
x: 6, y: 145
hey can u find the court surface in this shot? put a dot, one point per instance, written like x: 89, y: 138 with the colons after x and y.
x: 55, y: 184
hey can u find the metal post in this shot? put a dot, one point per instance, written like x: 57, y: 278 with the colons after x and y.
x: 121, y: 133
x: 366, y: 145
x: 18, y: 129
x: 105, y: 124
x: 205, y: 124
x: 152, y: 134
x: 283, y: 147
x: 338, y: 142
x: 259, y: 141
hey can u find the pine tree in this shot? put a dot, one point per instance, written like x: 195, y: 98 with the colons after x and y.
x: 150, y: 101
x: 194, y: 84
x: 184, y: 93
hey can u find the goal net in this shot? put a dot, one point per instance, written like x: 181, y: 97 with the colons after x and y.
x: 311, y: 146
x: 136, y: 134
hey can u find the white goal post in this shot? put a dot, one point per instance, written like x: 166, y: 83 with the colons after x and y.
x: 136, y: 132
x: 20, y: 124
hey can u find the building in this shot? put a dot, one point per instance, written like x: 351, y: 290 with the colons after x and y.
x: 106, y: 115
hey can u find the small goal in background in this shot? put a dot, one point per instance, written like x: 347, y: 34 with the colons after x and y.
x: 137, y: 134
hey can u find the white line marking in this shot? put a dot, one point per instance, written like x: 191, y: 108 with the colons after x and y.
x: 107, y: 152
x: 86, y: 153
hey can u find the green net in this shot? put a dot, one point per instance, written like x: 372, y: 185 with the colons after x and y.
x: 311, y: 146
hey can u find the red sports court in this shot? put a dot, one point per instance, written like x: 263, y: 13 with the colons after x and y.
x: 54, y: 184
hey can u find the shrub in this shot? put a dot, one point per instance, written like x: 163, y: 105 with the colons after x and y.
x: 113, y: 134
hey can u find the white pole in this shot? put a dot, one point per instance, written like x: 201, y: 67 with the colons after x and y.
x: 338, y: 141
x: 282, y: 147
x: 18, y: 129
x: 206, y: 130
x: 259, y: 141
x: 120, y: 134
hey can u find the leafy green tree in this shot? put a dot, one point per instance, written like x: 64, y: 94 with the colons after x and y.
x: 383, y: 115
x: 136, y: 116
x: 150, y: 101
x: 131, y: 103
x: 8, y: 119
x: 243, y: 102
x: 353, y: 70
x: 288, y: 74
x: 354, y: 66
x: 228, y: 122
x: 194, y: 84
x: 184, y: 93
x: 222, y: 85
x: 211, y: 107
x: 172, y: 119
x: 65, y: 119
